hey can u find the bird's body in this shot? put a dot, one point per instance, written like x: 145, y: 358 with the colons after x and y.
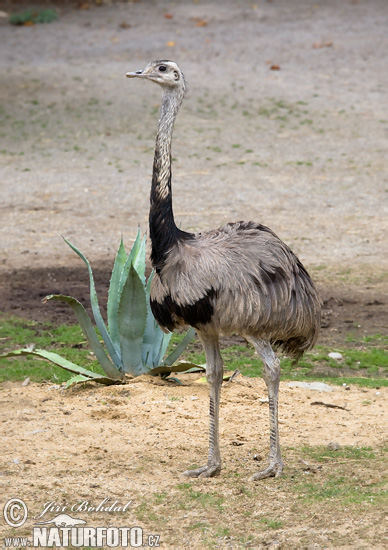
x: 240, y: 278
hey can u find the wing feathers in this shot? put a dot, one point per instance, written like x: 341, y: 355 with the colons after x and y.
x: 241, y: 279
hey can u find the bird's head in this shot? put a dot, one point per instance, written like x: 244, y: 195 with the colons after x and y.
x: 165, y: 73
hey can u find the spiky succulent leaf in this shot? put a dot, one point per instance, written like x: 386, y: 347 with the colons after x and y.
x: 132, y: 316
x: 61, y: 362
x: 182, y: 366
x: 161, y: 345
x: 177, y: 351
x: 113, y: 352
x: 114, y: 294
x: 90, y: 334
x: 139, y: 260
x: 149, y: 331
x: 129, y: 261
x: 79, y: 379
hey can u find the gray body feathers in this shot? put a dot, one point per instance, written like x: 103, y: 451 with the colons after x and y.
x: 243, y: 279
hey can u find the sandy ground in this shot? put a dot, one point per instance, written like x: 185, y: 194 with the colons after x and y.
x: 131, y: 443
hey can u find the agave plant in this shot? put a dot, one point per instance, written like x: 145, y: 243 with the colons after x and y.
x: 134, y: 342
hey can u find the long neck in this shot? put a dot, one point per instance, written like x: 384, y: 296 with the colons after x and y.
x: 163, y: 231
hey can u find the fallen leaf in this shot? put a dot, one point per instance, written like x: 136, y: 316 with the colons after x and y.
x: 275, y: 67
x: 168, y: 16
x: 124, y: 25
x: 199, y: 22
x: 318, y: 45
x: 170, y: 44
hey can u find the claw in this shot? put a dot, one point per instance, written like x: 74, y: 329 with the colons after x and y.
x: 205, y: 471
x: 273, y: 470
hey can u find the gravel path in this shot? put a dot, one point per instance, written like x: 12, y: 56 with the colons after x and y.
x: 301, y: 149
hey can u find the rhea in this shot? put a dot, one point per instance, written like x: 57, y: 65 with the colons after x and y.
x: 238, y: 279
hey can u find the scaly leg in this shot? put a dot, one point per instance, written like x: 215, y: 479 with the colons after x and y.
x: 214, y: 372
x: 271, y: 375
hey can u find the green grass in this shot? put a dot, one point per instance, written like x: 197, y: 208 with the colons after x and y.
x: 364, y: 363
x: 33, y: 16
x: 349, y: 476
x: 67, y: 340
x: 361, y: 365
x: 271, y: 523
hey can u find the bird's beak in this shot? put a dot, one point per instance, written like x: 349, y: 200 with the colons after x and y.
x: 135, y: 74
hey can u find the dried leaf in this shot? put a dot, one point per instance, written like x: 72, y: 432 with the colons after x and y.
x: 168, y: 16
x: 170, y: 44
x: 318, y: 45
x: 275, y: 67
x: 199, y: 22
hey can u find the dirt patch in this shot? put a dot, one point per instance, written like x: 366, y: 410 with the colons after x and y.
x: 131, y: 443
x: 357, y: 311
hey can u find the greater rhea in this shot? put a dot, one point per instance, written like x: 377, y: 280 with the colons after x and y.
x: 238, y: 279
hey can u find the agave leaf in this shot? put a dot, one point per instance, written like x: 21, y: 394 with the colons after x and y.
x: 79, y: 379
x: 113, y: 352
x: 113, y: 295
x: 128, y: 262
x: 164, y: 341
x: 53, y: 358
x: 90, y: 334
x: 152, y: 334
x: 139, y: 261
x: 132, y: 316
x: 182, y: 366
x: 180, y: 347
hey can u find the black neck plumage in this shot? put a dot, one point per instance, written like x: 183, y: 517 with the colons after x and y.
x: 163, y: 231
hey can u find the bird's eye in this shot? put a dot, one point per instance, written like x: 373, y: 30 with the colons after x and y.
x: 162, y: 68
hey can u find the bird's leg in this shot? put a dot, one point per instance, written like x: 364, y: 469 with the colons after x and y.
x: 214, y: 372
x: 271, y: 375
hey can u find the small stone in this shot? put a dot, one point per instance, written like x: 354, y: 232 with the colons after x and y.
x: 335, y: 355
x: 26, y: 382
x: 333, y: 446
x: 194, y: 398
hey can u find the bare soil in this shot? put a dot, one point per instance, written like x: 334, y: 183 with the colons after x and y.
x: 131, y: 443
x: 285, y: 123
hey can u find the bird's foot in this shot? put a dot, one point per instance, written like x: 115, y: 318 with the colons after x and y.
x: 274, y: 470
x: 210, y: 470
